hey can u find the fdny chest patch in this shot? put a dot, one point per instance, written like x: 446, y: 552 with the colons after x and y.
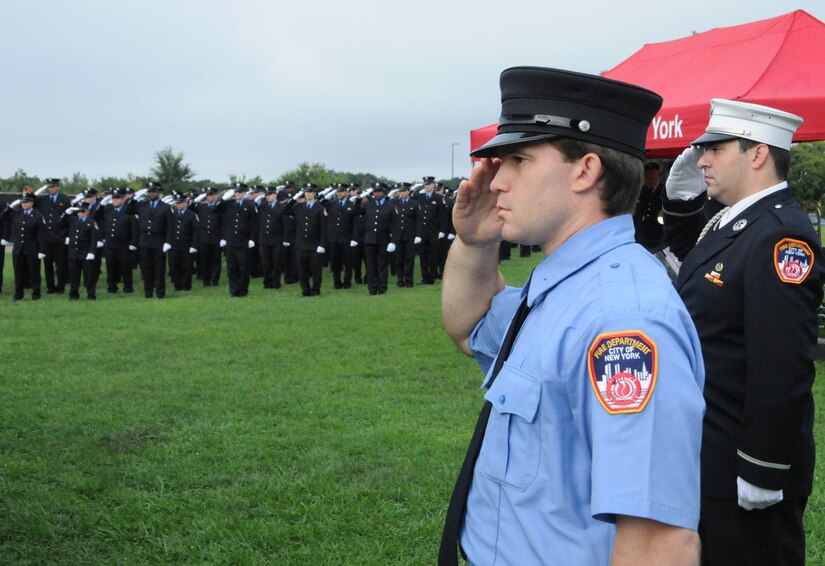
x: 623, y: 368
x: 793, y: 260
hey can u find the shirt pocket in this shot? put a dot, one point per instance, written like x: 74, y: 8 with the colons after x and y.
x: 512, y: 442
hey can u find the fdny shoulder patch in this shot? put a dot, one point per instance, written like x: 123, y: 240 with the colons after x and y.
x: 623, y: 369
x: 793, y: 260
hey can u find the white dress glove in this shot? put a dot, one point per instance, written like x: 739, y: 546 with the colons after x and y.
x: 353, y: 243
x: 441, y: 235
x: 5, y: 243
x: 451, y: 236
x: 90, y: 256
x: 193, y: 250
x: 417, y: 240
x: 752, y: 497
x: 66, y: 241
x: 286, y: 244
x: 251, y: 244
x: 320, y: 249
x: 686, y: 180
x: 70, y: 210
x: 41, y: 256
x: 167, y: 247
x: 101, y: 243
x: 390, y: 247
x: 222, y: 243
x: 132, y: 248
x: 15, y: 204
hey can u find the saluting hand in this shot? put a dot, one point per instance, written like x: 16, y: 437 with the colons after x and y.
x: 475, y: 215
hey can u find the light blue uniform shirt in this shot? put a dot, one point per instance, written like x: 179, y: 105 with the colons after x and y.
x: 596, y: 413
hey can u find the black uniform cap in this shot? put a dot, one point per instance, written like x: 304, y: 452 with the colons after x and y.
x: 240, y: 187
x: 539, y: 103
x: 52, y: 182
x: 652, y: 166
x: 116, y: 193
x: 27, y: 197
x: 152, y: 186
x: 379, y: 186
x: 428, y: 180
x: 311, y: 187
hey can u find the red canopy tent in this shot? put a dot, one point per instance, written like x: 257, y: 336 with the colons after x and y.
x: 777, y: 62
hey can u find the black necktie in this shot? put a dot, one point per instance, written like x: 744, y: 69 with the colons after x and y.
x: 448, y: 553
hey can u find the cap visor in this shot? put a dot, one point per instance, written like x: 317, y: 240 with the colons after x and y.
x: 712, y: 138
x: 490, y: 149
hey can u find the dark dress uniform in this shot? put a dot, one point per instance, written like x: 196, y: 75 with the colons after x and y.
x: 185, y: 236
x: 433, y: 216
x: 290, y: 267
x: 271, y: 235
x: 752, y: 288
x: 340, y: 218
x: 4, y: 235
x: 357, y: 255
x: 406, y: 226
x: 310, y: 232
x: 239, y: 228
x: 52, y: 208
x: 211, y: 234
x: 83, y: 236
x: 119, y: 230
x: 378, y: 225
x: 28, y: 238
x: 449, y: 230
x: 649, y: 232
x: 153, y: 231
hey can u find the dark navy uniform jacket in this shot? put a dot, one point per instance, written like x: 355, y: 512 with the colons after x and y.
x: 52, y: 213
x: 271, y: 223
x: 211, y: 221
x: 240, y: 223
x: 185, y: 230
x: 406, y: 221
x: 27, y: 232
x: 752, y: 288
x: 82, y: 236
x: 340, y: 221
x: 310, y: 226
x: 378, y: 221
x: 118, y: 228
x: 153, y: 224
x: 433, y: 216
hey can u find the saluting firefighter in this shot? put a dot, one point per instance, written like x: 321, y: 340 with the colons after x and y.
x: 310, y: 240
x: 81, y: 240
x: 406, y: 227
x: 52, y: 206
x: 153, y: 241
x: 28, y: 239
x: 378, y: 213
x: 340, y: 216
x: 752, y: 284
x: 119, y: 232
x: 271, y: 236
x: 239, y: 230
x: 433, y: 223
x: 210, y: 215
x: 185, y: 239
x: 359, y: 228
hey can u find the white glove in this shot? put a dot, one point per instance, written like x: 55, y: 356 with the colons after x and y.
x: 441, y: 235
x: 5, y: 243
x: 686, y: 180
x: 251, y: 244
x: 320, y: 249
x: 752, y: 497
x: 298, y: 195
x: 90, y: 256
x: 222, y: 243
x: 353, y: 243
x: 15, y: 204
x: 106, y: 200
x: 193, y: 250
x: 286, y: 244
x: 66, y: 241
x: 41, y: 256
x: 353, y: 198
x: 390, y: 247
x: 417, y: 240
x: 451, y: 236
x: 70, y: 210
x: 101, y: 243
x: 41, y: 190
x: 132, y: 248
x: 167, y: 247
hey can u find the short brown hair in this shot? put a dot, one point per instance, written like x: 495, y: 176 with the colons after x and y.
x: 781, y: 157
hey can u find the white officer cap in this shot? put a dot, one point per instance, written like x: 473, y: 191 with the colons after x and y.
x: 731, y: 119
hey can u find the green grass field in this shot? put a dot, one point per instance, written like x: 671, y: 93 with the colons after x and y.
x: 270, y: 429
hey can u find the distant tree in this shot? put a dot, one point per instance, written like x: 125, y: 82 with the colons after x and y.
x: 170, y: 170
x: 807, y: 176
x: 16, y: 182
x: 76, y: 184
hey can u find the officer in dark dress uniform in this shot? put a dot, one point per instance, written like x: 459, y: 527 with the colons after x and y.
x: 210, y: 215
x: 256, y: 196
x: 378, y: 225
x: 185, y: 239
x: 153, y: 241
x: 648, y: 208
x: 444, y: 243
x: 120, y: 233
x: 4, y: 241
x: 83, y: 235
x: 290, y: 268
x: 52, y: 206
x: 28, y: 239
x: 752, y: 285
x: 271, y: 234
x: 340, y: 218
x: 310, y: 240
x: 239, y: 229
x: 432, y: 230
x: 359, y: 228
x: 406, y: 225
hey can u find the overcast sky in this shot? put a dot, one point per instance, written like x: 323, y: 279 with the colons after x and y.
x: 251, y: 88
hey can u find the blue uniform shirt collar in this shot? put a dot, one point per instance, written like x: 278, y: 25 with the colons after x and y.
x: 583, y: 248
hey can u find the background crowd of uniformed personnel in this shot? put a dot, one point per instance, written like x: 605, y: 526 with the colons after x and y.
x: 283, y: 235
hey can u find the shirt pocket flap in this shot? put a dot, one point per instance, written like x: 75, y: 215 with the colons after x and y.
x: 515, y: 392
